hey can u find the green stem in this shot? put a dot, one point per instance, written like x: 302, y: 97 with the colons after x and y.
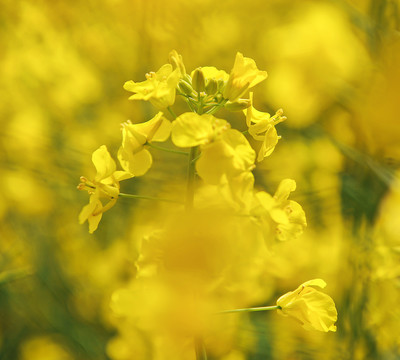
x: 191, y: 178
x: 201, y: 353
x: 167, y: 150
x: 262, y: 308
x: 246, y: 132
x: 132, y: 196
x: 171, y: 112
x: 216, y: 108
x: 12, y: 275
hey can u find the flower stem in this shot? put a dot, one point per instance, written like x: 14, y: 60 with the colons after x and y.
x: 167, y: 150
x: 262, y: 308
x: 13, y: 275
x: 201, y: 353
x: 132, y: 196
x: 191, y: 178
x: 171, y: 112
x: 217, y: 107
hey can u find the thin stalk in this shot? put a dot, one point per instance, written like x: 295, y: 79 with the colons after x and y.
x: 201, y: 353
x: 216, y: 108
x: 171, y: 112
x: 132, y: 196
x: 167, y: 150
x: 191, y: 178
x: 262, y: 308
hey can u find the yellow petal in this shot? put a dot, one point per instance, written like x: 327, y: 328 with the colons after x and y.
x: 103, y: 163
x: 191, y: 129
x: 137, y: 163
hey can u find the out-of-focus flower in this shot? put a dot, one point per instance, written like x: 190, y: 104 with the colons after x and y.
x: 132, y: 154
x: 104, y: 185
x: 159, y: 88
x: 262, y: 128
x: 176, y: 61
x: 224, y: 151
x: 314, y: 309
x: 244, y: 75
x: 287, y: 216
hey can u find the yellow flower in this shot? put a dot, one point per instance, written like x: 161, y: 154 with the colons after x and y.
x: 132, y: 155
x: 104, y: 185
x: 224, y: 151
x: 262, y: 128
x: 159, y: 88
x: 176, y: 61
x: 244, y: 75
x: 314, y: 309
x: 287, y: 216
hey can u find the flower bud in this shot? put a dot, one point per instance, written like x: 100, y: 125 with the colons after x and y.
x: 198, y: 81
x: 211, y: 86
x: 185, y: 87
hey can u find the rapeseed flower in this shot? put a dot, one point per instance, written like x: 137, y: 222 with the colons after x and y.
x: 262, y: 128
x: 159, y: 88
x: 314, y: 309
x: 105, y: 185
x: 224, y: 151
x: 244, y: 75
x: 132, y: 155
x: 287, y: 216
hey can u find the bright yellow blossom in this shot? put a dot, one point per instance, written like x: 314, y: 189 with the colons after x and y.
x: 244, y: 75
x: 314, y: 309
x: 132, y: 155
x: 159, y: 88
x: 262, y: 128
x: 287, y: 216
x: 105, y: 185
x: 176, y: 61
x: 224, y: 151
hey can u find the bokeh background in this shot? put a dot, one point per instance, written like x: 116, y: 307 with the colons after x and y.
x: 333, y: 67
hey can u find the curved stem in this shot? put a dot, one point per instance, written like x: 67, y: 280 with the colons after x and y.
x: 200, y: 349
x: 262, y: 308
x: 191, y: 178
x: 167, y: 150
x: 132, y: 196
x: 216, y: 108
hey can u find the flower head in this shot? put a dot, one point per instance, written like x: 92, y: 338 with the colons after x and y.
x: 104, y: 186
x: 159, y: 88
x: 244, y: 75
x: 287, y: 216
x: 314, y: 309
x: 132, y: 155
x: 224, y: 151
x: 262, y: 128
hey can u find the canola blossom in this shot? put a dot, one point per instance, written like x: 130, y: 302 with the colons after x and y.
x: 202, y: 254
x: 312, y: 308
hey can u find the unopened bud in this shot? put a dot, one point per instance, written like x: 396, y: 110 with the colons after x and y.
x: 198, y: 80
x: 238, y: 105
x: 185, y: 87
x: 211, y: 86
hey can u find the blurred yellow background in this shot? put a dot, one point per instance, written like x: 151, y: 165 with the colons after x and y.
x: 333, y: 67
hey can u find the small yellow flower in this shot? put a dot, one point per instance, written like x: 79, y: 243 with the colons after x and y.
x: 314, y: 309
x: 159, y: 88
x: 224, y: 151
x: 262, y: 128
x: 288, y: 216
x: 244, y: 75
x: 176, y: 61
x: 105, y: 185
x: 132, y: 155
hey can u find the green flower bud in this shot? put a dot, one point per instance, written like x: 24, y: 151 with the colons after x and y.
x: 211, y: 86
x: 185, y: 87
x: 198, y: 81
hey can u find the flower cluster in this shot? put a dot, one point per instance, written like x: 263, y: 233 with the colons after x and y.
x: 211, y: 247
